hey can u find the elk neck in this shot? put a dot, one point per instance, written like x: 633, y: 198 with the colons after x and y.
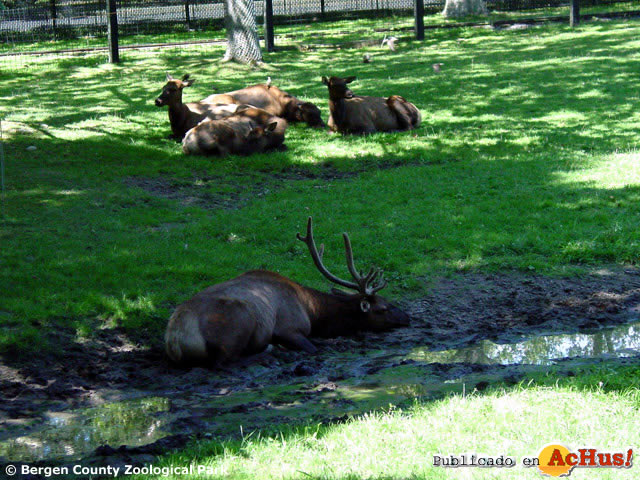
x: 329, y: 314
x: 178, y: 115
x: 338, y: 109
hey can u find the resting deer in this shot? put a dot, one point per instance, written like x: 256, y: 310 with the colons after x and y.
x: 244, y: 315
x: 363, y: 115
x: 184, y: 116
x: 273, y: 100
x: 248, y: 131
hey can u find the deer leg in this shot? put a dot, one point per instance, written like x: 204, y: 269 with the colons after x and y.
x: 296, y: 341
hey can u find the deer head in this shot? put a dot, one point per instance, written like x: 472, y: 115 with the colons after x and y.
x: 374, y: 312
x: 172, y: 91
x: 308, y: 113
x: 338, y: 87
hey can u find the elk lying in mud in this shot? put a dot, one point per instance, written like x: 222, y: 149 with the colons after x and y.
x: 363, y: 115
x: 248, y: 131
x: 244, y: 315
x: 274, y: 101
x: 184, y: 116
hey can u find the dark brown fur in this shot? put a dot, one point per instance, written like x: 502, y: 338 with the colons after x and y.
x: 184, y: 116
x: 248, y: 131
x: 358, y: 114
x: 274, y: 101
x: 242, y: 316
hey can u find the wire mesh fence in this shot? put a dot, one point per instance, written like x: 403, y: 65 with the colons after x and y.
x: 30, y: 24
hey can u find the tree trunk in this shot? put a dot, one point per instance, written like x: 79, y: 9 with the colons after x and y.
x: 242, y: 32
x: 462, y: 8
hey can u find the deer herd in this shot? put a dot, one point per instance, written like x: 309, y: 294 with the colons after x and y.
x: 254, y: 119
x: 241, y: 317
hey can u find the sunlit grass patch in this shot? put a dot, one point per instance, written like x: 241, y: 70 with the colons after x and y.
x: 402, y: 443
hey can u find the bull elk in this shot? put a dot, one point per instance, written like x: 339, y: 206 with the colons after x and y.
x: 248, y: 131
x: 244, y: 315
x: 363, y: 115
x: 274, y: 101
x: 184, y: 116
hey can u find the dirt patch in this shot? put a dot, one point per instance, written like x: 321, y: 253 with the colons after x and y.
x: 233, y: 192
x: 469, y: 307
x: 457, y: 312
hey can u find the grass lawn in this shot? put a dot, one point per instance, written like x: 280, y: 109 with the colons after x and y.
x: 527, y: 160
x: 401, y: 443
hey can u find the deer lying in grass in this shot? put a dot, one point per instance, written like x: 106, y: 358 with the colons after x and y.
x: 363, y: 115
x: 244, y: 315
x: 248, y: 131
x: 184, y: 116
x: 274, y: 101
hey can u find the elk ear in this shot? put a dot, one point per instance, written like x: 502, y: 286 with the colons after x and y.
x: 169, y: 77
x: 349, y: 79
x: 271, y: 127
x: 325, y: 81
x: 365, y: 306
x: 187, y: 82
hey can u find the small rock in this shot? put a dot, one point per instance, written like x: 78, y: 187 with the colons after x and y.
x: 31, y: 148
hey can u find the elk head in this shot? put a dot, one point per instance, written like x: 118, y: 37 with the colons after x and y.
x: 172, y: 91
x: 260, y: 138
x: 338, y: 87
x: 308, y: 113
x: 373, y: 311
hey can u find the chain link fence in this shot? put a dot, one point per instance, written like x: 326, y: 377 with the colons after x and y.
x: 25, y: 24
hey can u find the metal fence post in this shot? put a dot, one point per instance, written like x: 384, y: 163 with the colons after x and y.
x: 574, y: 13
x: 54, y: 16
x: 187, y: 14
x: 418, y: 10
x: 268, y: 25
x: 112, y: 31
x: 321, y: 7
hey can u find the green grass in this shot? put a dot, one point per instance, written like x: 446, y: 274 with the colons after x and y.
x: 592, y: 409
x: 526, y: 159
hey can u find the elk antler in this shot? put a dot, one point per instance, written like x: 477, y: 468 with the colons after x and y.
x: 368, y: 284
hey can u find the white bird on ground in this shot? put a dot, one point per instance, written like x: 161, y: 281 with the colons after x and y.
x: 390, y: 42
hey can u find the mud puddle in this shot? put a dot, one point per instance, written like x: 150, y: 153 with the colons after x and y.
x: 616, y: 342
x: 377, y: 381
x: 113, y: 398
x: 76, y: 433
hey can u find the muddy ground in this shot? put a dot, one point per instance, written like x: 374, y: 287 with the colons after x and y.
x: 458, y: 312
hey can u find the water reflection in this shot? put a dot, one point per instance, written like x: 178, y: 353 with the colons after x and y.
x: 123, y: 423
x: 620, y: 341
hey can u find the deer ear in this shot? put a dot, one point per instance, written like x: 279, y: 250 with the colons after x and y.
x: 325, y: 81
x: 349, y: 79
x: 169, y: 77
x: 365, y: 306
x: 187, y: 82
x: 271, y: 127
